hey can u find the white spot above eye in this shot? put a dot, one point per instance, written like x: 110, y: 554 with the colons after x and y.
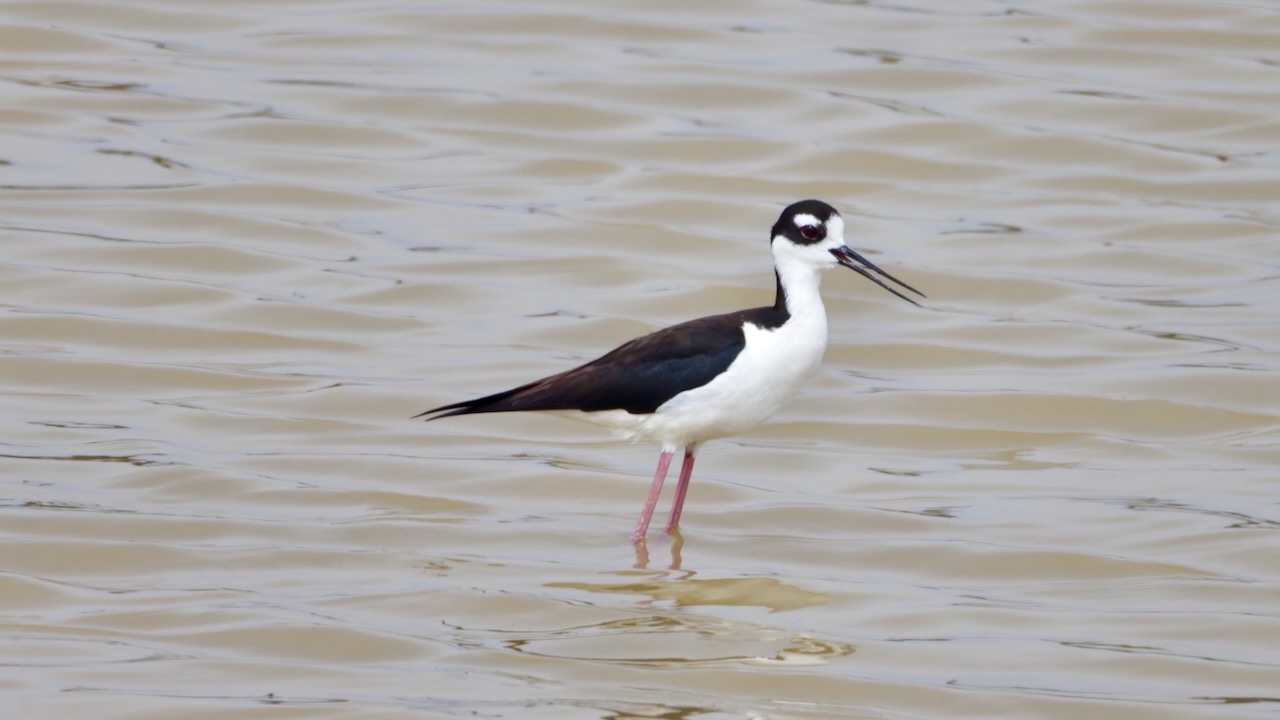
x: 805, y: 219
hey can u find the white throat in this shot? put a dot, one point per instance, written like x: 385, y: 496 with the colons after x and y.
x: 801, y: 283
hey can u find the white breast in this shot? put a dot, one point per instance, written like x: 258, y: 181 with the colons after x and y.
x: 766, y: 375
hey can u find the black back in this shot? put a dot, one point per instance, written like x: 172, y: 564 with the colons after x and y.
x: 640, y: 375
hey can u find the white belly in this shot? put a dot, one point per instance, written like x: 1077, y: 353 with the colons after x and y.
x: 765, y: 376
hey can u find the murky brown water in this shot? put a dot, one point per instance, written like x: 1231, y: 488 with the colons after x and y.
x: 243, y: 242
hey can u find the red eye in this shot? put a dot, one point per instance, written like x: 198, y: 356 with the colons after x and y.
x: 812, y: 232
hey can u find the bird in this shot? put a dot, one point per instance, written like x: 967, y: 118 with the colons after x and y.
x: 711, y: 377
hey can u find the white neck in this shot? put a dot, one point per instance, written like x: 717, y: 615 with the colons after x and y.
x: 801, y: 282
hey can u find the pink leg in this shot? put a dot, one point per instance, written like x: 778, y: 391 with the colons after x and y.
x: 686, y: 471
x: 642, y: 527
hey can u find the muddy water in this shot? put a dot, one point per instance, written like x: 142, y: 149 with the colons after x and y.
x: 241, y: 243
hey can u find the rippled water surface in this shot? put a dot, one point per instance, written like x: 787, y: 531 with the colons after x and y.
x: 241, y: 243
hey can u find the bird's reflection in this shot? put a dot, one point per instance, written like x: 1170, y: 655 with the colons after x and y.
x: 677, y: 544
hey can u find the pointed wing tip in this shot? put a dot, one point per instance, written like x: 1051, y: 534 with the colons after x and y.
x: 452, y: 410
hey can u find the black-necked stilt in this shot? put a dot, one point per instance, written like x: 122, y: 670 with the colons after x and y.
x: 711, y: 377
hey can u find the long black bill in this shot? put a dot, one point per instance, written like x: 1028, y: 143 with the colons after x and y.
x: 861, y: 265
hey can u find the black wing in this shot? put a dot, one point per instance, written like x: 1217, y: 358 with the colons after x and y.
x: 637, y: 376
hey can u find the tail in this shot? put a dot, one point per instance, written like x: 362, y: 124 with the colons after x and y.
x: 497, y: 402
x: 591, y: 387
x: 488, y: 404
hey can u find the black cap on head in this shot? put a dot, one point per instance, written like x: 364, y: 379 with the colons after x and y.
x: 787, y: 227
